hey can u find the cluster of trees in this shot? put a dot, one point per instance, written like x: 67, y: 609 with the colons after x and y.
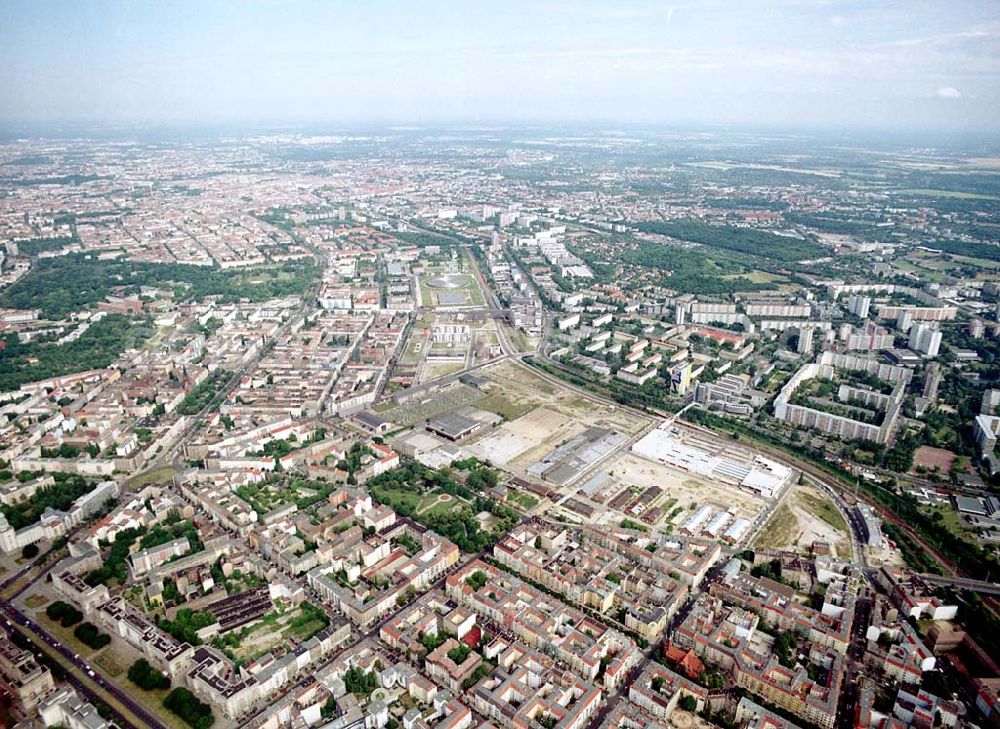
x: 46, y: 286
x: 913, y: 554
x: 747, y: 203
x: 690, y: 271
x: 741, y: 240
x: 329, y: 708
x: 34, y: 246
x: 408, y: 543
x: 170, y: 592
x: 146, y: 677
x: 785, y: 648
x: 770, y: 570
x: 688, y: 703
x: 421, y: 239
x: 64, y: 613
x: 59, y: 180
x: 629, y: 524
x: 186, y: 624
x: 88, y: 634
x: 67, y: 450
x: 194, y: 712
x: 481, y: 672
x: 114, y: 566
x: 481, y: 475
x: 952, y: 182
x: 397, y: 489
x: 865, y: 379
x: 95, y: 348
x: 969, y: 557
x: 352, y: 461
x: 833, y: 223
x: 476, y: 580
x: 173, y: 527
x: 848, y: 410
x: 60, y: 496
x: 278, y: 489
x: 203, y: 393
x: 899, y: 458
x: 360, y: 682
x: 653, y: 394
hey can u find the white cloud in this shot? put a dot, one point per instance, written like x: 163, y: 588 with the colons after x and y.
x: 948, y: 92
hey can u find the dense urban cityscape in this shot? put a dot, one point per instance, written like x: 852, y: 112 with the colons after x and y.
x: 499, y: 427
x: 536, y: 364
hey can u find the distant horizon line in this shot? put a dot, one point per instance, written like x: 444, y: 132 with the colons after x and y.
x: 50, y: 128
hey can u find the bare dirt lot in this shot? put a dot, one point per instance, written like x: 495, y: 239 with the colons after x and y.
x: 690, y: 492
x: 806, y: 516
x: 929, y: 457
x: 551, y: 416
x: 513, y: 444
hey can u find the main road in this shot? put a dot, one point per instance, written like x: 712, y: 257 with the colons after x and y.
x: 84, y: 677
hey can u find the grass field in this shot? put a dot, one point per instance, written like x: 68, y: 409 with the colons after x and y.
x: 271, y: 631
x: 780, y: 529
x: 111, y: 662
x: 758, y: 276
x: 435, y: 369
x: 154, y: 341
x: 36, y: 601
x: 522, y: 500
x: 822, y: 509
x: 951, y: 521
x: 428, y: 294
x: 153, y: 702
x: 415, y: 349
x: 981, y: 262
x: 159, y: 476
x: 504, y: 407
x: 518, y: 339
x: 947, y: 193
x: 925, y: 271
x: 423, y: 503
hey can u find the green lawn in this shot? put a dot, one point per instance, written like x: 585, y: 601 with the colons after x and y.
x: 421, y: 504
x: 305, y: 631
x: 505, y: 408
x: 950, y: 519
x: 981, y: 262
x: 159, y: 476
x: 410, y: 355
x: 758, y: 276
x: 521, y: 499
x: 822, y: 509
x: 111, y: 663
x: 948, y: 193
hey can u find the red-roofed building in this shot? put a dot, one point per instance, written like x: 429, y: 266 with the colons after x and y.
x: 686, y: 661
x: 473, y: 637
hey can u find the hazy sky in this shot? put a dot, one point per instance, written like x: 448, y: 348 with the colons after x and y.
x: 872, y: 63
